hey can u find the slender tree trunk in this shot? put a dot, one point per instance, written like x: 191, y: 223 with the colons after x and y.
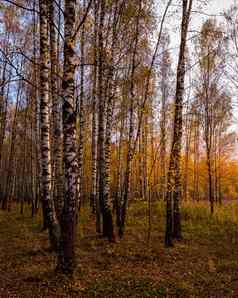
x: 4, y: 97
x: 119, y: 171
x: 3, y: 101
x: 173, y: 222
x: 210, y: 182
x: 129, y: 155
x: 47, y: 201
x: 66, y: 260
x: 94, y: 137
x: 57, y: 133
x: 10, y: 169
x: 36, y: 125
x: 24, y: 162
x: 196, y: 160
x: 108, y: 230
x: 215, y: 174
x: 103, y: 197
x: 145, y: 157
x: 108, y: 224
x: 140, y: 165
x: 219, y: 170
x: 81, y: 116
x: 163, y: 148
x: 186, y: 161
x: 94, y: 184
x: 101, y: 110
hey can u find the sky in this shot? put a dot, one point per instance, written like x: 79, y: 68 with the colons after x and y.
x: 214, y: 8
x: 217, y: 7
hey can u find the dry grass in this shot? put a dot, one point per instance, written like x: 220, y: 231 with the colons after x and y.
x: 204, y: 264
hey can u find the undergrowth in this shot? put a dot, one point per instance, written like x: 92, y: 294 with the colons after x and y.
x: 203, y: 264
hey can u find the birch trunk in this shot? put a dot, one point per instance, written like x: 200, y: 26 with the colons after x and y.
x: 129, y: 156
x: 163, y: 148
x: 173, y: 220
x: 94, y: 140
x: 81, y: 116
x: 108, y: 230
x: 94, y: 193
x: 47, y: 201
x: 57, y: 133
x: 66, y: 259
x: 196, y: 159
x: 103, y: 197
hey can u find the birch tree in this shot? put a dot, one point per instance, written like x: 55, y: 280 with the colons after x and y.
x: 173, y: 218
x: 66, y: 259
x: 56, y: 106
x: 47, y: 201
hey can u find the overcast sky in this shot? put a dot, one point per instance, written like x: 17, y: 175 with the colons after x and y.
x: 217, y: 6
x: 214, y: 8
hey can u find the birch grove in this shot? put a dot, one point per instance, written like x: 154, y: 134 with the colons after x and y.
x: 108, y: 104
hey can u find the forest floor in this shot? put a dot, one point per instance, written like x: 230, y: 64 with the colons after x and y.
x: 204, y: 264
